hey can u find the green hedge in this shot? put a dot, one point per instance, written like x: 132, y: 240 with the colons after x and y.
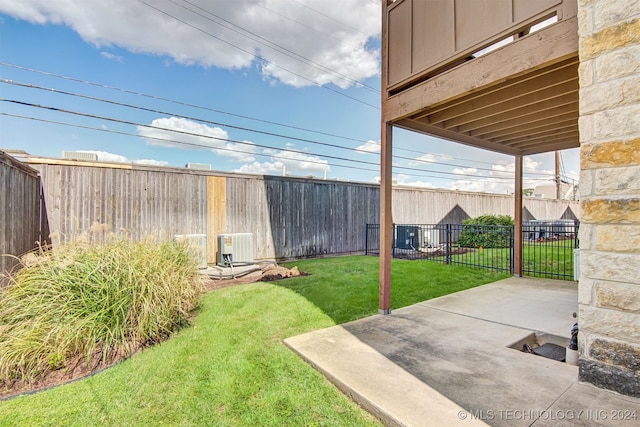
x: 486, y: 231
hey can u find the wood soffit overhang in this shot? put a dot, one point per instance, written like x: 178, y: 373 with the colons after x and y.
x: 520, y: 99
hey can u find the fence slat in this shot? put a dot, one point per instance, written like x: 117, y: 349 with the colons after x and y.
x: 19, y: 210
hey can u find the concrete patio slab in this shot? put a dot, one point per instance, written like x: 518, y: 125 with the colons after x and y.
x: 447, y: 361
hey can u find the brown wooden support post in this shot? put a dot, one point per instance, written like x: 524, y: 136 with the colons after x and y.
x: 386, y: 223
x: 386, y: 171
x: 517, y: 229
x: 557, y: 177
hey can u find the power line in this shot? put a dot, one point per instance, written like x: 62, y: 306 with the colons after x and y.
x: 330, y: 17
x: 305, y: 25
x: 166, y: 113
x: 273, y: 156
x: 181, y: 103
x: 229, y: 125
x: 93, y: 98
x: 128, y: 122
x: 464, y: 160
x: 256, y: 56
x: 287, y: 52
x: 193, y: 144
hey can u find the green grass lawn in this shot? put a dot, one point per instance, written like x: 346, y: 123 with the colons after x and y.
x: 552, y: 259
x: 230, y: 368
x: 346, y: 288
x: 549, y: 259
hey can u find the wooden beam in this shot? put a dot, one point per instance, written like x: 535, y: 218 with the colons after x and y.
x: 517, y: 219
x: 557, y: 177
x: 455, y: 137
x: 532, y: 122
x: 535, y: 138
x: 549, y: 45
x: 515, y: 103
x: 523, y: 122
x: 386, y: 170
x: 551, y: 104
x: 546, y: 146
x: 518, y: 92
x: 548, y: 140
x: 386, y: 221
x: 572, y: 62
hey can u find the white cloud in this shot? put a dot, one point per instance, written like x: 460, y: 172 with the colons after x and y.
x: 483, y: 185
x: 294, y: 163
x: 500, y: 179
x: 402, y: 179
x: 465, y: 171
x: 111, y: 56
x: 322, y: 36
x: 262, y: 168
x: 426, y: 158
x: 429, y: 158
x: 182, y: 133
x: 104, y: 156
x: 370, y: 146
x: 151, y: 162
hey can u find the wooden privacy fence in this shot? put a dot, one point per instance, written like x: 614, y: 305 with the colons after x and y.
x: 288, y: 217
x: 138, y: 202
x: 22, y: 223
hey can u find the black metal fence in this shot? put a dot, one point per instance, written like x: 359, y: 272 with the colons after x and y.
x: 548, y: 246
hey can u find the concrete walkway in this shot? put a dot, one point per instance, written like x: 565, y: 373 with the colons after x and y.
x: 448, y: 361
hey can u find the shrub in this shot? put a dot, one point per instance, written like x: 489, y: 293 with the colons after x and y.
x: 487, y: 231
x: 93, y: 302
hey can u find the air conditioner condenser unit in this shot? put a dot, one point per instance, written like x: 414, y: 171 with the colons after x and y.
x: 235, y: 248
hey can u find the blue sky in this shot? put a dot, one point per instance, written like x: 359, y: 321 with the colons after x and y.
x: 253, y: 86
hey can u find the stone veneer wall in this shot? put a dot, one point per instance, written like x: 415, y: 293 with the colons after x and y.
x: 609, y: 290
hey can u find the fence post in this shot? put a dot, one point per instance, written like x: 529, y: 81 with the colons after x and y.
x: 393, y: 240
x: 512, y: 250
x: 448, y: 244
x: 366, y: 239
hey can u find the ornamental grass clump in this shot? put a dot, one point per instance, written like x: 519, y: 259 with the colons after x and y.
x: 93, y: 304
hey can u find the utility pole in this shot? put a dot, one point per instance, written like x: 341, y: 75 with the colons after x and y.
x: 558, y: 175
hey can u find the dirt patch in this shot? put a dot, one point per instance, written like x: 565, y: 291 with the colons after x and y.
x: 268, y: 273
x: 277, y: 272
x: 78, y: 368
x: 213, y: 284
x: 436, y: 253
